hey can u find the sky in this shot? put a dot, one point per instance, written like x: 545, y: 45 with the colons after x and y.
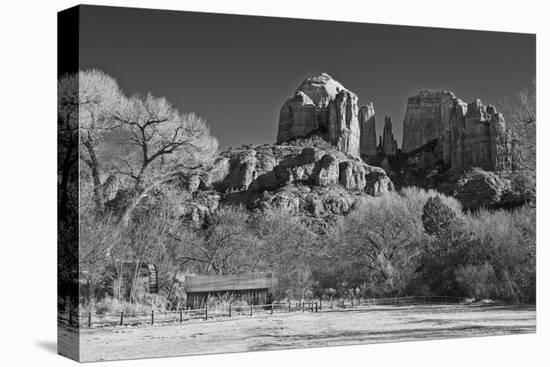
x: 237, y: 71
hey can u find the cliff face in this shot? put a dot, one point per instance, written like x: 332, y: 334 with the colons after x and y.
x: 427, y: 118
x: 322, y: 105
x: 388, y: 144
x: 367, y: 124
x: 479, y: 138
x: 466, y: 135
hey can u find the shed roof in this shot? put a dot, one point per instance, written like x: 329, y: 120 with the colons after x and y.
x: 210, y: 283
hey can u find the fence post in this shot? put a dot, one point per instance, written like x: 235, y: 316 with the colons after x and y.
x: 121, y: 318
x: 316, y: 310
x: 152, y: 317
x: 206, y: 311
x: 272, y: 308
x: 181, y: 316
x: 250, y: 310
x: 230, y: 310
x: 89, y: 319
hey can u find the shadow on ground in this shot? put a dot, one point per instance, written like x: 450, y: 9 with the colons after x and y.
x: 48, y: 345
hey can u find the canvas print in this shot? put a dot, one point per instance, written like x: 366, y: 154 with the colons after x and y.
x: 232, y: 183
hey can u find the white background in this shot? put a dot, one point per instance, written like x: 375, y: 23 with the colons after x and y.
x: 28, y: 181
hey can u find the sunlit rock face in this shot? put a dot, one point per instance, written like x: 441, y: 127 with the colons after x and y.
x: 465, y: 135
x: 323, y: 106
x: 479, y: 138
x: 367, y: 125
x: 427, y: 118
x: 260, y: 168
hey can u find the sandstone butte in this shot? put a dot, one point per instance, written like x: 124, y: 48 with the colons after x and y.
x: 464, y: 135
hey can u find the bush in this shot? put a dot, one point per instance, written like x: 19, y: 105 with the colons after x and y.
x: 477, y: 281
x: 489, y: 253
x: 436, y: 216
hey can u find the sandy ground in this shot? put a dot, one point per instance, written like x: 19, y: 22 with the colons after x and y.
x: 298, y: 330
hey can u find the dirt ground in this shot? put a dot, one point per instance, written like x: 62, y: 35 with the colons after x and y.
x: 299, y: 330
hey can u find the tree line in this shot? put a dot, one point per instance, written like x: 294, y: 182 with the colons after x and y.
x: 130, y: 151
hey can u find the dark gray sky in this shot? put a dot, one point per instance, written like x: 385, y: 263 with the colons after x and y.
x: 237, y: 71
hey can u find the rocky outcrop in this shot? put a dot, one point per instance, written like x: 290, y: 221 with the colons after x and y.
x: 479, y: 138
x: 388, y: 144
x: 311, y: 177
x: 426, y: 118
x: 367, y: 125
x: 481, y: 189
x: 465, y: 135
x: 260, y: 168
x: 323, y: 106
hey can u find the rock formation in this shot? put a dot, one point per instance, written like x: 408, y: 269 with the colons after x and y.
x: 479, y: 138
x: 388, y: 144
x: 261, y: 168
x: 367, y: 126
x: 323, y: 106
x: 313, y: 178
x: 465, y: 135
x: 427, y: 118
x: 477, y: 188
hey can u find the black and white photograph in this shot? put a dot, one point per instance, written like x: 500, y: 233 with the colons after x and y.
x: 232, y: 183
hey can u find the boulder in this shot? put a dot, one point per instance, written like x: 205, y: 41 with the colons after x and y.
x: 482, y: 189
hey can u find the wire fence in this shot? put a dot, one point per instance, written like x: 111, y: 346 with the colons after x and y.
x: 90, y: 320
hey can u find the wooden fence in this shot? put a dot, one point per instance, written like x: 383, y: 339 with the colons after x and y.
x: 89, y: 320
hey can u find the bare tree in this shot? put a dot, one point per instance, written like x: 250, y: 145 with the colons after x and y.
x: 96, y: 96
x: 67, y: 139
x: 521, y: 117
x: 161, y: 142
x: 225, y: 246
x: 97, y: 237
x: 382, y: 236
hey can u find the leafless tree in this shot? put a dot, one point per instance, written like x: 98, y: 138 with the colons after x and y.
x: 224, y: 247
x: 85, y: 102
x: 521, y: 117
x: 382, y: 236
x: 161, y: 142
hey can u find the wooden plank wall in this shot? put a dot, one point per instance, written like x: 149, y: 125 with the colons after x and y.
x: 212, y: 283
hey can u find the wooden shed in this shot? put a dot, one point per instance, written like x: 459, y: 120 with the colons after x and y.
x: 253, y: 288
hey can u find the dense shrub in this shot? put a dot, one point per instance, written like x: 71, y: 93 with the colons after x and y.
x: 486, y: 254
x: 436, y: 216
x: 477, y: 281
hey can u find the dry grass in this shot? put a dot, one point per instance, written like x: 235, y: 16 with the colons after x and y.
x: 375, y: 324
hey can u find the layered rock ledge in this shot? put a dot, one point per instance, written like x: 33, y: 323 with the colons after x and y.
x: 314, y: 178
